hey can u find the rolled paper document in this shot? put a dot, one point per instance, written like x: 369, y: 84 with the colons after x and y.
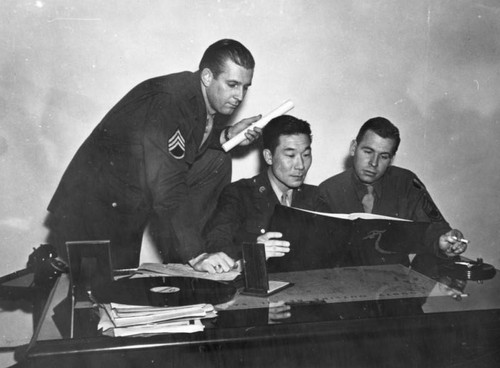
x: 261, y: 123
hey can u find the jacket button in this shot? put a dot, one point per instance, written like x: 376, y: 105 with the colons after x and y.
x: 262, y: 231
x: 114, y: 204
x: 262, y: 189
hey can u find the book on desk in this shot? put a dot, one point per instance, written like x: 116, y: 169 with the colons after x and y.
x: 325, y: 240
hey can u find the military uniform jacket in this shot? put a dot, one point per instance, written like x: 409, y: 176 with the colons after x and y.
x: 244, y: 210
x: 399, y: 193
x: 134, y: 165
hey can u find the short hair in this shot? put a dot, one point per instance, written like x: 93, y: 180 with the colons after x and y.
x: 382, y: 127
x: 283, y: 125
x: 218, y: 53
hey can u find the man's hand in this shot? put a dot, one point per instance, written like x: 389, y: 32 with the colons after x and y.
x: 251, y: 135
x: 278, y: 311
x: 274, y: 247
x: 214, y: 263
x: 452, y: 243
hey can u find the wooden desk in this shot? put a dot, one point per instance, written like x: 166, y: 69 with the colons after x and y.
x: 420, y: 326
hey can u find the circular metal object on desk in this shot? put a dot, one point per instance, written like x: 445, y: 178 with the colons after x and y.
x: 182, y: 291
x: 469, y: 270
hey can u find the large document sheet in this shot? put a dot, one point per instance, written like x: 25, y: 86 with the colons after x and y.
x: 346, y: 284
x: 321, y: 240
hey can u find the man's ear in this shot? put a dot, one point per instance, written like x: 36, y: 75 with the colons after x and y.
x: 206, y: 77
x: 268, y: 156
x: 352, y: 149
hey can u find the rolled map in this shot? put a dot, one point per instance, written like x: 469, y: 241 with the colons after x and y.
x: 261, y: 123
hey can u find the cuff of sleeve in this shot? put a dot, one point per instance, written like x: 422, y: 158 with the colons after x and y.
x: 226, y: 134
x: 216, y: 139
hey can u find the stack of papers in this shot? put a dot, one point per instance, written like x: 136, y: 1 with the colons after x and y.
x: 128, y: 320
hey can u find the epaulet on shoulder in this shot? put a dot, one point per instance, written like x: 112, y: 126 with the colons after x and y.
x: 418, y: 184
x: 407, y: 175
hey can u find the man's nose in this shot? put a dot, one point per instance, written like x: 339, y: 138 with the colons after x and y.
x: 374, y: 161
x: 299, y: 163
x: 239, y: 94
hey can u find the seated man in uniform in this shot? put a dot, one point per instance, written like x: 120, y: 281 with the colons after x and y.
x: 246, y: 206
x: 373, y: 185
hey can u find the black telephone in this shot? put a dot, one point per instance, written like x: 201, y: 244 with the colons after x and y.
x: 45, y: 264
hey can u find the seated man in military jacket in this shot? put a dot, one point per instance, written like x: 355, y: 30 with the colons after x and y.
x: 373, y: 185
x: 245, y: 207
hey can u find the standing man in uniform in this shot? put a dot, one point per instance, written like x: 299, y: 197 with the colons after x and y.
x: 156, y: 159
x: 373, y: 185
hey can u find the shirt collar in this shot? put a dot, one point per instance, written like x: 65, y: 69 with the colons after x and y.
x: 276, y: 189
x: 210, y: 111
x: 360, y: 188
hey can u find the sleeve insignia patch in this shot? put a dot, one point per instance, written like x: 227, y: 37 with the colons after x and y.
x: 431, y: 209
x: 177, y: 145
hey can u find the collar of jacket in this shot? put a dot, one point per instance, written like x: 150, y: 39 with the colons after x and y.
x: 360, y: 188
x: 263, y: 188
x: 198, y: 103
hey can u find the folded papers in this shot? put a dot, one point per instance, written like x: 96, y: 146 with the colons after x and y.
x: 183, y: 270
x: 128, y: 320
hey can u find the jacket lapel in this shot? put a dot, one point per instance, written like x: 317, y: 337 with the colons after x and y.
x: 263, y: 194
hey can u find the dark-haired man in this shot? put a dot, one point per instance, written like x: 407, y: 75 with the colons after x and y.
x: 155, y: 159
x: 245, y: 207
x: 373, y: 185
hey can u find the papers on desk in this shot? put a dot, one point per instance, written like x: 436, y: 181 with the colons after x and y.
x: 128, y: 320
x: 183, y: 270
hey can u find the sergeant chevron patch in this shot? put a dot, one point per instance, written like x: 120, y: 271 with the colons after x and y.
x: 177, y: 145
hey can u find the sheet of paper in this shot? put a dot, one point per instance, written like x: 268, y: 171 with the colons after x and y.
x: 190, y: 327
x: 345, y: 284
x: 354, y: 215
x: 149, y: 317
x: 183, y: 270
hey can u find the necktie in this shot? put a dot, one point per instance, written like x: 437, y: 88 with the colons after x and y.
x: 284, y: 199
x: 368, y: 199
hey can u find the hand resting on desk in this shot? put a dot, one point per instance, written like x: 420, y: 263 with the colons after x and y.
x: 220, y: 262
x: 214, y: 263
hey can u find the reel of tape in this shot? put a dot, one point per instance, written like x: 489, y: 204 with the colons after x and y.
x: 469, y: 270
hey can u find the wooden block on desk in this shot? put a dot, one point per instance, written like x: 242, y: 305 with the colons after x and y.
x: 255, y: 269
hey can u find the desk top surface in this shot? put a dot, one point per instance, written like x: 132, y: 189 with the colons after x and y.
x: 329, y: 301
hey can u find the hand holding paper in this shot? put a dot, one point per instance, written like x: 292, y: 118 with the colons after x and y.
x: 240, y: 137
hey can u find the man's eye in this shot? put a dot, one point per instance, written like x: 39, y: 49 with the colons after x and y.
x: 385, y: 157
